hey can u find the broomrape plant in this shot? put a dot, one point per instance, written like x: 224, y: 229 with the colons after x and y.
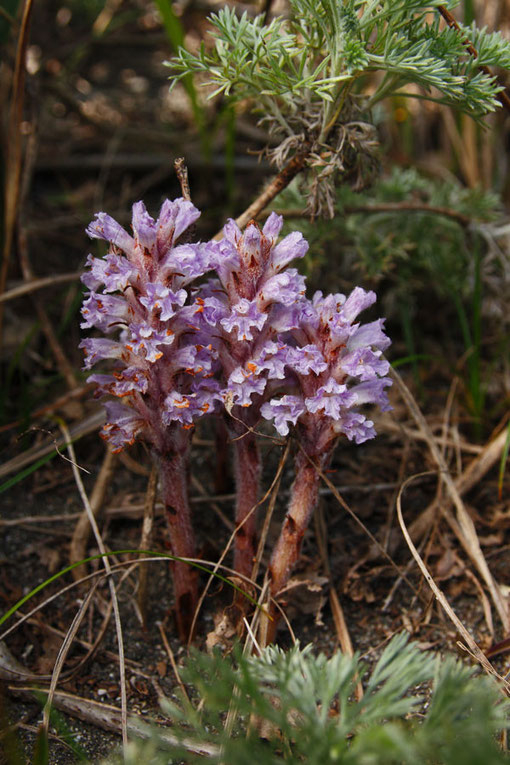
x: 247, y: 342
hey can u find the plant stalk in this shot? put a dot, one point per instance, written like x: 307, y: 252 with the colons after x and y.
x: 173, y: 470
x: 247, y: 476
x: 303, y: 500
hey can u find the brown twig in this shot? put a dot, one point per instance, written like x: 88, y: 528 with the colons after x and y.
x: 38, y: 284
x: 390, y: 207
x: 452, y: 22
x: 108, y: 718
x: 279, y: 182
x: 181, y: 172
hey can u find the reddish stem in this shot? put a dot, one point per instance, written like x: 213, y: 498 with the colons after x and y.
x: 173, y: 469
x: 247, y: 474
x: 303, y: 500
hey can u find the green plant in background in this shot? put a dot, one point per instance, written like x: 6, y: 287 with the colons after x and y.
x: 412, y: 233
x: 297, y: 707
x: 306, y: 76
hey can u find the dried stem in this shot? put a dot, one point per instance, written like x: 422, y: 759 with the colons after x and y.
x: 279, y: 182
x: 181, y: 172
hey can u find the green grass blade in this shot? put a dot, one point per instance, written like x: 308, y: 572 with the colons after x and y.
x: 149, y: 553
x: 41, y: 754
x: 63, y: 730
x: 175, y: 34
x: 27, y: 471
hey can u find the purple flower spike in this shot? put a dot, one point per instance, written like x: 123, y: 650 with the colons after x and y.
x: 161, y: 350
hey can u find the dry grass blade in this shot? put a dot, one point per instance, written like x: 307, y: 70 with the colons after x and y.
x: 474, y: 472
x: 269, y: 513
x: 108, y: 569
x: 62, y: 655
x: 170, y: 654
x: 94, y: 575
x: 82, y: 529
x: 146, y: 539
x: 360, y: 523
x: 473, y: 647
x: 82, y: 428
x: 462, y: 525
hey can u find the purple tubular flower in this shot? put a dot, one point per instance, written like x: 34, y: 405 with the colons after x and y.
x: 174, y: 218
x: 284, y: 288
x: 98, y: 348
x: 242, y: 386
x: 122, y: 425
x: 114, y: 271
x: 105, y: 227
x: 282, y: 411
x: 244, y: 317
x: 161, y: 300
x: 332, y: 399
x: 105, y: 312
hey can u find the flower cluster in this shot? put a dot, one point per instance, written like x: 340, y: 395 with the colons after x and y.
x: 336, y: 366
x: 247, y: 338
x: 142, y: 291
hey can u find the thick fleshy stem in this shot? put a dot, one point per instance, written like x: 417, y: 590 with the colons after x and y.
x: 303, y: 500
x: 247, y: 475
x: 173, y: 469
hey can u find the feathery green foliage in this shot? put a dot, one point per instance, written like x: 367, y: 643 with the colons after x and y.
x: 306, y: 75
x: 297, y: 707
